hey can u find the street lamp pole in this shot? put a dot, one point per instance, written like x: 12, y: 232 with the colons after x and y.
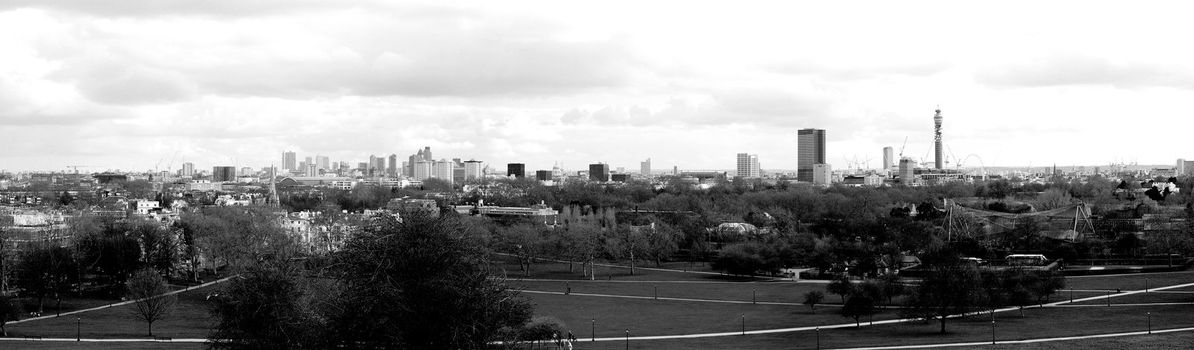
x: 78, y: 329
x: 1150, y: 323
x: 594, y: 329
x: 627, y: 339
x: 743, y: 324
x: 818, y: 338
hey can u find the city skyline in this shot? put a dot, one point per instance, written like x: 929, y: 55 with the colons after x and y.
x: 133, y: 87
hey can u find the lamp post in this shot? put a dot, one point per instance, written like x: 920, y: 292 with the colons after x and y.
x: 754, y: 292
x: 627, y: 339
x: 743, y: 324
x: 78, y: 329
x: 1150, y: 323
x: 818, y: 338
x: 593, y: 328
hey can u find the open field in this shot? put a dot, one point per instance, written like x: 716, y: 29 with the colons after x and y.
x: 727, y: 305
x: 38, y: 345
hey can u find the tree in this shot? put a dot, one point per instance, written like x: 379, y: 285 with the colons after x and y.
x: 10, y: 310
x: 859, y: 304
x: 944, y: 291
x: 269, y: 307
x: 46, y: 270
x: 812, y: 298
x: 419, y: 283
x: 840, y: 286
x: 147, y: 288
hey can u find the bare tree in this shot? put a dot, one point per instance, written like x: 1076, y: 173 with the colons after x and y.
x: 147, y: 288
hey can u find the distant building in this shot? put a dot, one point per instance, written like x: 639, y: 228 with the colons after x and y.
x: 288, y: 161
x: 422, y: 169
x: 392, y: 167
x: 223, y: 174
x: 822, y: 174
x: 907, y: 171
x: 748, y: 166
x: 810, y: 145
x: 311, y: 171
x: 442, y: 170
x: 517, y: 170
x: 423, y: 154
x: 645, y: 168
x: 323, y: 163
x: 599, y: 172
x: 188, y: 169
x: 619, y: 177
x: 543, y: 175
x: 474, y: 169
x: 888, y: 158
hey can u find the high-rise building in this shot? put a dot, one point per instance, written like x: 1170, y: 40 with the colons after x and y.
x: 937, y: 160
x: 599, y: 172
x: 645, y: 168
x: 311, y: 171
x: 1180, y: 169
x: 392, y: 169
x: 822, y: 174
x: 517, y: 170
x: 907, y: 171
x: 888, y: 158
x: 289, y: 161
x: 543, y: 175
x: 422, y: 170
x: 748, y: 166
x: 473, y: 169
x: 442, y: 170
x: 223, y: 173
x: 323, y: 163
x: 188, y: 169
x: 423, y: 154
x: 810, y: 145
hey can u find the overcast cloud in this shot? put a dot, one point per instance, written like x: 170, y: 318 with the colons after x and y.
x: 142, y: 84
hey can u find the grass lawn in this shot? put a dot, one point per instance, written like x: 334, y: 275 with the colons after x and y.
x: 787, y: 292
x: 651, y: 317
x: 1052, y: 322
x: 1130, y: 282
x: 189, y: 319
x: 36, y: 345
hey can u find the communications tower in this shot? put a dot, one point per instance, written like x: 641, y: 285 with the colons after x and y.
x: 937, y: 139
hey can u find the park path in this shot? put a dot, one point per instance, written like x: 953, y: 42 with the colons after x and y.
x: 722, y: 301
x: 1025, y: 341
x: 622, y: 266
x: 225, y: 279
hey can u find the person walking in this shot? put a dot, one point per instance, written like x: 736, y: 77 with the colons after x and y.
x: 570, y: 336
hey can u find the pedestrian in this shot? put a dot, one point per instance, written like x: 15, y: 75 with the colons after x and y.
x: 555, y: 338
x: 568, y: 345
x: 570, y: 336
x: 569, y: 288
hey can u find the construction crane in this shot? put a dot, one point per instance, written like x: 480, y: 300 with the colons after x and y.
x: 902, y: 147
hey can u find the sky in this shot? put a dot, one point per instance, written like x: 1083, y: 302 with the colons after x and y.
x: 150, y: 84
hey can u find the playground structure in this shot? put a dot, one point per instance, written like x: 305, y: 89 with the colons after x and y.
x: 1070, y: 223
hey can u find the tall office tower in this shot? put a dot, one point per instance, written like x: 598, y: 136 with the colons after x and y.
x: 442, y: 169
x: 748, y: 166
x: 311, y: 171
x: 223, y: 173
x: 822, y: 174
x: 542, y: 175
x: 517, y: 170
x: 888, y: 158
x: 392, y: 170
x: 289, y: 161
x: 379, y: 165
x: 473, y: 169
x: 423, y: 154
x: 323, y: 163
x: 422, y: 170
x: 937, y: 161
x: 188, y: 169
x: 246, y: 171
x: 1180, y: 169
x: 907, y: 171
x: 599, y: 172
x: 810, y: 144
x: 457, y: 171
x: 645, y: 168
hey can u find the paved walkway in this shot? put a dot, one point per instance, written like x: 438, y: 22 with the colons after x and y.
x: 120, y: 303
x: 1026, y: 341
x: 723, y: 301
